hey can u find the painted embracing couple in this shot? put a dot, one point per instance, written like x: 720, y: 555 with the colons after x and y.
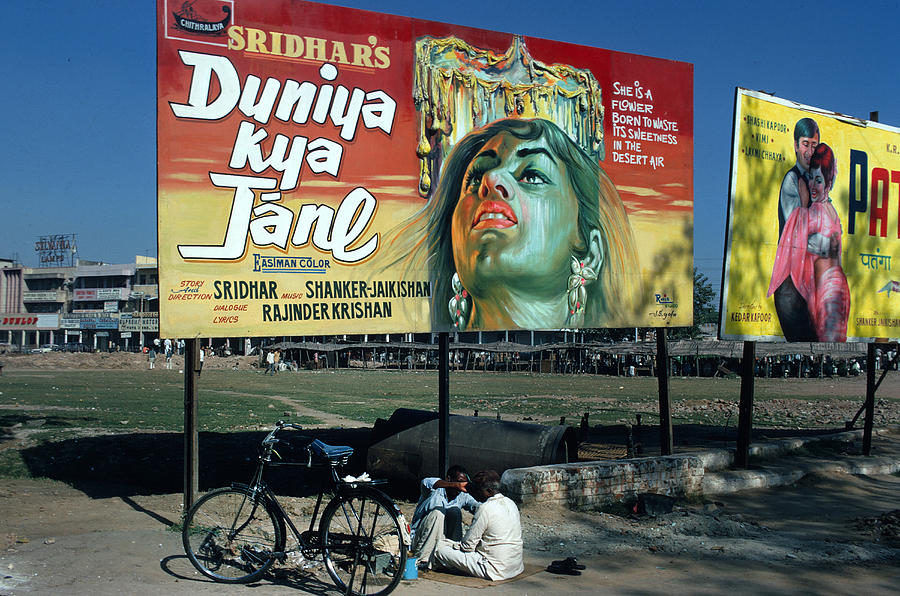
x: 812, y: 297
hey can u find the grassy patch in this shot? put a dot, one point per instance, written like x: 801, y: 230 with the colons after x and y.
x: 47, y: 407
x: 367, y: 395
x: 142, y: 400
x: 230, y: 400
x: 12, y: 465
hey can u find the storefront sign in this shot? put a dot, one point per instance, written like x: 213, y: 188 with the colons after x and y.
x: 139, y: 321
x: 99, y: 323
x: 67, y: 322
x: 42, y: 296
x: 28, y: 321
x: 96, y: 294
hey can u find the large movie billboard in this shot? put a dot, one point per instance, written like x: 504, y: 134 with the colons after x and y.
x: 812, y: 225
x: 327, y: 170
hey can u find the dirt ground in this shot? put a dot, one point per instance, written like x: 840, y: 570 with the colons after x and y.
x: 828, y: 534
x: 114, y: 361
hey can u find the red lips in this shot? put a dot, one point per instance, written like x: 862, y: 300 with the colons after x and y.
x: 494, y: 214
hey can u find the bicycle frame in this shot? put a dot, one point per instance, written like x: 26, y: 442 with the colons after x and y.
x: 234, y: 535
x: 308, y: 540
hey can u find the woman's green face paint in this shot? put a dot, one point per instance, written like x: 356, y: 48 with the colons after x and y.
x: 515, y: 222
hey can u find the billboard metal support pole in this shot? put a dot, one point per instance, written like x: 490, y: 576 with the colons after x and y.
x: 666, y: 443
x: 870, y: 399
x: 443, y: 402
x: 870, y: 376
x: 884, y: 372
x: 745, y: 408
x: 191, y: 449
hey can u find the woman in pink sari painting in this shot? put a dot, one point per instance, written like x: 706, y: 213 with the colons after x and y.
x: 819, y: 279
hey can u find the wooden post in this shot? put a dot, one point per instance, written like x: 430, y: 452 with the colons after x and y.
x: 870, y: 399
x: 745, y: 407
x: 666, y: 443
x: 191, y: 447
x: 443, y: 402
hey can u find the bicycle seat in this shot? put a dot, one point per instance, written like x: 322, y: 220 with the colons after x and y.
x: 332, y: 453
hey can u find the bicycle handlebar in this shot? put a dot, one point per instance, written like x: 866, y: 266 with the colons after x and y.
x: 270, y: 439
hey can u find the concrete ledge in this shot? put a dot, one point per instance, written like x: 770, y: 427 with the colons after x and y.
x: 717, y: 483
x: 716, y: 459
x: 737, y: 480
x: 587, y: 485
x: 785, y: 446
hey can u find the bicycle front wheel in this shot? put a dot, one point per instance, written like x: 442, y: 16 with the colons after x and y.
x: 362, y: 543
x: 231, y: 536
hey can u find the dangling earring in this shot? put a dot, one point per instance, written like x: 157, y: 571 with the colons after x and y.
x: 577, y: 294
x: 459, y: 304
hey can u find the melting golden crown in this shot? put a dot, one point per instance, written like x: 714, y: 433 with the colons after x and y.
x: 459, y: 88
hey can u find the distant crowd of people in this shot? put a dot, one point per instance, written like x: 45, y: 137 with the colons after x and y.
x: 168, y: 348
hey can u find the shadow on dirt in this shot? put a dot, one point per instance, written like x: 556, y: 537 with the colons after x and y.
x: 687, y: 437
x: 179, y: 567
x: 153, y: 463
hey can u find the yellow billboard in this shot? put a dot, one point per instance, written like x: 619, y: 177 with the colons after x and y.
x: 812, y: 225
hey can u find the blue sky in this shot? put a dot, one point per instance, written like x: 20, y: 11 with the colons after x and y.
x: 78, y: 151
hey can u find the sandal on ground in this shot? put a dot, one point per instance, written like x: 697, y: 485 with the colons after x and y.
x: 561, y: 568
x: 569, y: 562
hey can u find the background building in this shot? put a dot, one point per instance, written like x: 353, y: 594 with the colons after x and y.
x: 87, y: 306
x: 93, y: 306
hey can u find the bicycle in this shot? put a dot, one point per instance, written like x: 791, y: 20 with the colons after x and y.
x: 235, y: 534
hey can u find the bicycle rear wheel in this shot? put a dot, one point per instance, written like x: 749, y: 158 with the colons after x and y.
x: 362, y: 543
x: 230, y: 536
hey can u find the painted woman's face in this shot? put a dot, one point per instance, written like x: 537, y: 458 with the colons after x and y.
x: 516, y: 219
x: 817, y: 190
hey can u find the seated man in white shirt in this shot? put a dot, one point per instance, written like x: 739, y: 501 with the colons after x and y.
x: 492, y: 547
x: 439, y: 512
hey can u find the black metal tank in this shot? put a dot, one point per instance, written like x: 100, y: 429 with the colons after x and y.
x: 405, y: 447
